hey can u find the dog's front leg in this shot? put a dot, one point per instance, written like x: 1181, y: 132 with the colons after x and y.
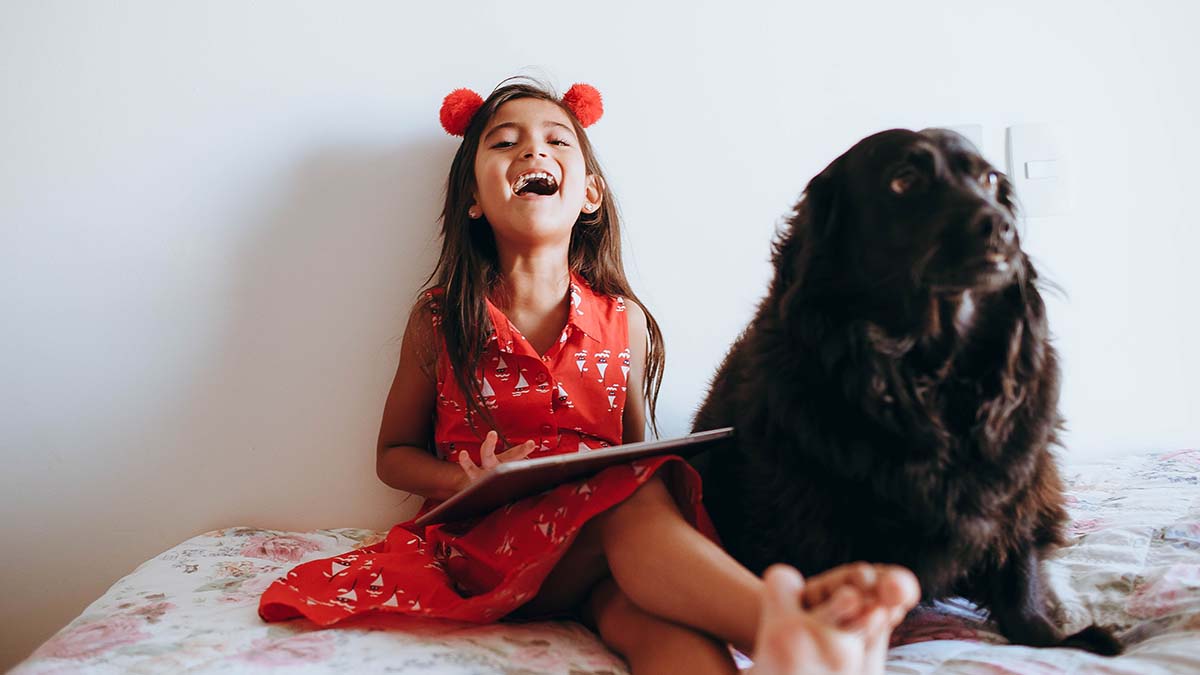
x: 1020, y: 606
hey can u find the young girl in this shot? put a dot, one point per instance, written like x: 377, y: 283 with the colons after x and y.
x: 531, y: 343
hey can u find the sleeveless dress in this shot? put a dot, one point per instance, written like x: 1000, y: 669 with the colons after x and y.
x: 570, y: 399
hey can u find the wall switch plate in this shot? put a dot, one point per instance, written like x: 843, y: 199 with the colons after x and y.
x: 1037, y: 171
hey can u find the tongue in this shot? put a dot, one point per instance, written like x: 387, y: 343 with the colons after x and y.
x: 538, y: 186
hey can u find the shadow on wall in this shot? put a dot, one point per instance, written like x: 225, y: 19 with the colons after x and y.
x: 264, y: 407
x: 283, y: 413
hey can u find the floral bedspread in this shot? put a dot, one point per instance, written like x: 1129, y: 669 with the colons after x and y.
x: 1134, y: 563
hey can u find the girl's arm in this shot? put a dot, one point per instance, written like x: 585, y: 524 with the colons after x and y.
x: 634, y: 419
x: 402, y: 458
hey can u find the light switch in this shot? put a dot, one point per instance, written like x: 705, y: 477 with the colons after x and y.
x: 1036, y: 170
x: 1041, y: 168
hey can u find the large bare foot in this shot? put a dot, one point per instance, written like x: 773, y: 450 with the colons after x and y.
x: 839, y: 622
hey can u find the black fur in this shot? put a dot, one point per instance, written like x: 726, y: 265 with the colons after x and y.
x: 895, y: 397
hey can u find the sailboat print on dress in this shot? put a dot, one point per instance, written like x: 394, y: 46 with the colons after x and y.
x: 488, y: 394
x: 336, y: 568
x: 576, y: 299
x: 522, y: 387
x: 624, y: 357
x: 545, y: 527
x: 449, y: 402
x: 563, y: 399
x: 506, y: 545
x: 602, y: 362
x: 485, y: 570
x: 435, y: 310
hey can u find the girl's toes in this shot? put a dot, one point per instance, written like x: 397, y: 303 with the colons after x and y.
x: 818, y: 589
x: 844, y: 604
x: 897, y: 590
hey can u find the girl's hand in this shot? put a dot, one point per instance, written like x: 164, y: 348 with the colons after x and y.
x: 487, y: 453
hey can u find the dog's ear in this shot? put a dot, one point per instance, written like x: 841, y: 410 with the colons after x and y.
x: 821, y: 199
x: 812, y: 222
x: 1007, y: 195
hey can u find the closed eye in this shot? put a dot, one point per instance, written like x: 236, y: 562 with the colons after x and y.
x: 509, y: 144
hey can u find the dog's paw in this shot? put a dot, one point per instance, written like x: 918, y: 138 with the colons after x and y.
x: 1096, y: 640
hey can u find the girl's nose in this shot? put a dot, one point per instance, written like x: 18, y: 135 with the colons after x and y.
x: 533, y: 150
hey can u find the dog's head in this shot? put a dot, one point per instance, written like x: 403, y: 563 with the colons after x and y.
x: 905, y: 211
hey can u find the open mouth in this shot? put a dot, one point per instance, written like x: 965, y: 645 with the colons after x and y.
x: 535, y: 183
x: 998, y: 260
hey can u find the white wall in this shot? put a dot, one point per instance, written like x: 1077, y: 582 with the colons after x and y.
x: 215, y: 215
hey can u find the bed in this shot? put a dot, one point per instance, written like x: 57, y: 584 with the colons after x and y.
x: 1133, y: 562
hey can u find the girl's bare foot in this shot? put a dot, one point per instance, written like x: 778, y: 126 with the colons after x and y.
x: 839, y: 622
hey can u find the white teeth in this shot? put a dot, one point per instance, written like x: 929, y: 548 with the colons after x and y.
x: 525, y: 178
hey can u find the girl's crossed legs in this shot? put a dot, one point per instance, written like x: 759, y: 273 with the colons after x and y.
x: 675, y: 598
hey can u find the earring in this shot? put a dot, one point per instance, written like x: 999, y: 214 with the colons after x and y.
x: 474, y: 213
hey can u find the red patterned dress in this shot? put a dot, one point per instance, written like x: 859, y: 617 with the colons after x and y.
x: 570, y: 399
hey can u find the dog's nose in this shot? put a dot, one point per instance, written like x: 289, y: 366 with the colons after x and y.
x: 991, y: 224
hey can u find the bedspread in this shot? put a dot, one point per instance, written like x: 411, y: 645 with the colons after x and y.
x: 1133, y: 562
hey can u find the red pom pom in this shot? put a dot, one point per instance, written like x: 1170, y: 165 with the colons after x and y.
x: 458, y: 108
x: 584, y: 101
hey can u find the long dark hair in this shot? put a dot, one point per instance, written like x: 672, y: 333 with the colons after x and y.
x: 468, y: 270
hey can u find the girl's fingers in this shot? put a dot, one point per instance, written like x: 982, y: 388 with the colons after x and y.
x: 487, y: 451
x: 464, y: 460
x: 517, y: 452
x: 488, y: 457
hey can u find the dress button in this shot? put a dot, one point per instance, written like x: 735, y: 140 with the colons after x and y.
x: 541, y: 377
x: 546, y: 428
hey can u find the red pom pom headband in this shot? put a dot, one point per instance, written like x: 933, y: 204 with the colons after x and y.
x: 461, y: 105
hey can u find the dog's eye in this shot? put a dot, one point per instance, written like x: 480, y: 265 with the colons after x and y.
x: 990, y: 181
x: 904, y: 180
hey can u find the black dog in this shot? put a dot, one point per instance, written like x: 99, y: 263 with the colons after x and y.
x: 895, y: 397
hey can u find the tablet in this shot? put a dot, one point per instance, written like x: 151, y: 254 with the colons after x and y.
x: 511, y: 481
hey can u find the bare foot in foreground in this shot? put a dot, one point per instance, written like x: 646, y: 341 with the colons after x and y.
x: 839, y: 622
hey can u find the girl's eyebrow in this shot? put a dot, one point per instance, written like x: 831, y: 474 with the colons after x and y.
x: 514, y: 125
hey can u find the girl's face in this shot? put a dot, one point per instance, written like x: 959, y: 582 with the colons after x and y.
x: 530, y: 178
